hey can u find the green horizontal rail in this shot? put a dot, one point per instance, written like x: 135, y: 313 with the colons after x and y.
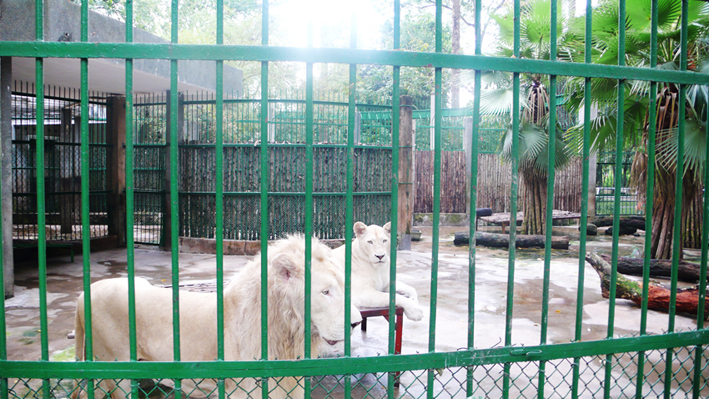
x: 63, y: 143
x: 273, y: 101
x: 279, y: 145
x: 341, y: 56
x: 287, y: 193
x: 258, y: 101
x: 335, y: 366
x: 103, y: 192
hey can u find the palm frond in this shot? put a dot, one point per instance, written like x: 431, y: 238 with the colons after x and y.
x: 533, y: 148
x: 694, y: 149
x: 496, y: 101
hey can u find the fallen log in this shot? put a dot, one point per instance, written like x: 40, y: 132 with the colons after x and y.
x: 503, y: 240
x: 637, y: 222
x: 658, y: 295
x: 687, y: 272
x: 622, y: 231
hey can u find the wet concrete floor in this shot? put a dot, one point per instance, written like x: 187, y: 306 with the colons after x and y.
x: 64, y: 283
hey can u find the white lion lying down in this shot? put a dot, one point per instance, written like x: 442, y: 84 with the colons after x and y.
x: 370, y: 271
x: 242, y: 318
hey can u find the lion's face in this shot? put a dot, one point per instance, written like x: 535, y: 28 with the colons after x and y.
x: 328, y: 302
x: 326, y: 289
x: 373, y: 242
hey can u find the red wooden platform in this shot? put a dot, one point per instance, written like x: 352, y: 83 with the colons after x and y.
x: 399, y: 327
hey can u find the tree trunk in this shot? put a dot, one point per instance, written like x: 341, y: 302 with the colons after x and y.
x: 692, y: 220
x: 535, y: 202
x: 658, y: 296
x: 662, y: 226
x: 503, y: 240
x: 455, y: 39
x: 637, y: 222
x: 688, y: 272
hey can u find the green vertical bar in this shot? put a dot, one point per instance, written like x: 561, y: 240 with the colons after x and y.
x: 699, y: 352
x: 175, y: 198
x: 349, y: 198
x: 85, y: 171
x: 264, y: 209
x: 219, y: 200
x: 130, y: 200
x: 395, y: 111
x: 308, y: 228
x: 85, y: 215
x: 395, y: 100
x: 584, y: 197
x: 677, y: 228
x: 264, y: 197
x: 616, y: 204
x: 548, y: 223
x: 41, y: 217
x: 3, y: 327
x: 436, y: 221
x: 649, y: 194
x: 436, y: 194
x: 514, y: 184
x: 473, y: 196
x: 174, y: 210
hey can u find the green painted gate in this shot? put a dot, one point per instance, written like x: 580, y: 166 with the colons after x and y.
x: 672, y: 364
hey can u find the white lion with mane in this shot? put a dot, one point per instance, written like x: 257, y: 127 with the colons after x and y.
x: 242, y: 318
x: 371, y: 250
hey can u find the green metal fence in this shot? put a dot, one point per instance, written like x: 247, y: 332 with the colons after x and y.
x: 672, y: 364
x: 491, y: 128
x: 285, y: 171
x: 61, y: 164
x: 605, y: 183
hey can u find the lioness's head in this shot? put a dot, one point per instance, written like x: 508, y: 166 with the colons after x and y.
x: 373, y: 242
x: 327, y: 288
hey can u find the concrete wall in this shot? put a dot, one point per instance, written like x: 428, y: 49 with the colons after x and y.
x: 62, y: 22
x: 6, y: 180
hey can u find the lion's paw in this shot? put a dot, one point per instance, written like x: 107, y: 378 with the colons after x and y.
x: 409, y: 294
x: 414, y: 313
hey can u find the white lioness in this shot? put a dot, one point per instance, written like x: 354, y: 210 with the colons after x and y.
x: 242, y: 319
x: 370, y: 271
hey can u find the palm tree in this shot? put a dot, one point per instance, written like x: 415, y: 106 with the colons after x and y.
x: 636, y: 108
x: 534, y: 130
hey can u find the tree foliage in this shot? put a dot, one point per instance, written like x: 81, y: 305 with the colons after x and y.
x: 534, y: 130
x: 636, y: 108
x: 375, y: 83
